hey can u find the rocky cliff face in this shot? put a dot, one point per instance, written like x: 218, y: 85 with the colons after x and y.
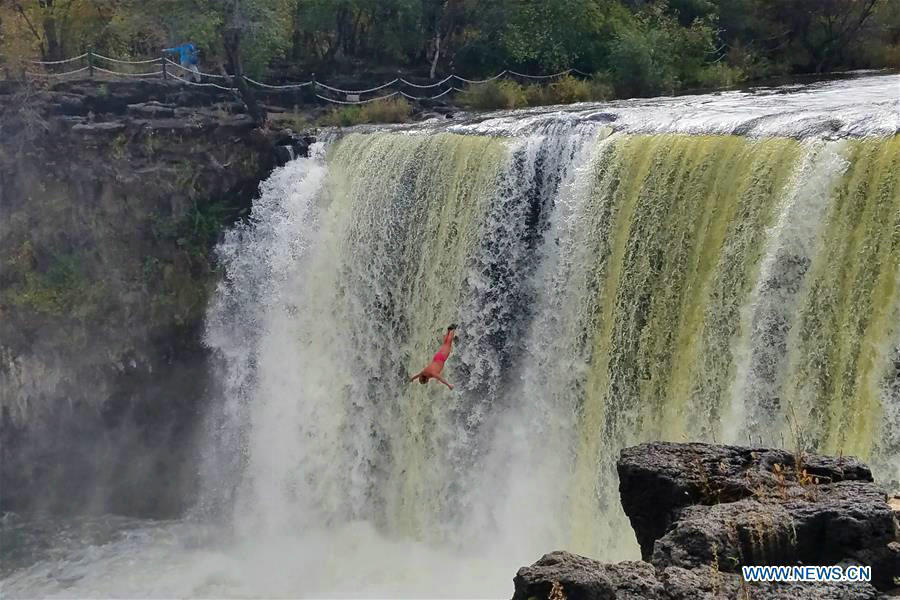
x: 700, y: 512
x: 112, y: 197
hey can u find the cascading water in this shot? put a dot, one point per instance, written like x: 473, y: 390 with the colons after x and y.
x: 614, y: 280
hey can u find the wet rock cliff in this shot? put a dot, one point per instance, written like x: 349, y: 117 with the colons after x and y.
x: 112, y: 196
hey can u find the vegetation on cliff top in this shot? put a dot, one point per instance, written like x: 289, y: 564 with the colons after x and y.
x: 635, y: 47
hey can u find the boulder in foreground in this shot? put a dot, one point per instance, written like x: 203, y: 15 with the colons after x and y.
x: 561, y: 575
x: 702, y: 511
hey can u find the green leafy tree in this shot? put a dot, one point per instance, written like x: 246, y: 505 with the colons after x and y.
x: 642, y: 46
x: 819, y: 33
x: 554, y: 35
x: 651, y: 52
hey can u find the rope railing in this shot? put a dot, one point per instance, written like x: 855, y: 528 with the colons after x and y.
x: 351, y: 96
x: 125, y: 62
x: 430, y: 85
x: 420, y: 98
x: 183, y: 68
x: 107, y: 71
x: 201, y: 84
x: 290, y: 86
x: 58, y: 62
x: 356, y: 92
x: 36, y: 74
x: 560, y: 74
x: 377, y: 98
x: 480, y: 81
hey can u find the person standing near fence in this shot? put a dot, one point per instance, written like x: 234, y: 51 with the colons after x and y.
x: 187, y: 58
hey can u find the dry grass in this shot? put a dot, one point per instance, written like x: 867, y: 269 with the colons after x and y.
x: 509, y: 94
x: 392, y: 110
x: 493, y: 95
x: 557, y: 592
x: 568, y: 90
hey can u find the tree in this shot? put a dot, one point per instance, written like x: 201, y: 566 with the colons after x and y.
x: 441, y: 19
x: 817, y: 33
x: 651, y: 52
x: 238, y: 23
x: 647, y: 46
x: 44, y: 19
x: 551, y: 36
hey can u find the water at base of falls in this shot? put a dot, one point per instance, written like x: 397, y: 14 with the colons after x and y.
x: 610, y: 286
x: 128, y: 558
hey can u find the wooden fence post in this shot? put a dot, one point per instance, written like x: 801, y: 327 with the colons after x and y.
x: 90, y: 58
x: 165, y: 71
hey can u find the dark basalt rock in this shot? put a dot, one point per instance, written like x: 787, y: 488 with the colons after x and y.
x: 705, y: 583
x: 283, y: 154
x: 99, y: 128
x: 701, y: 511
x: 582, y: 578
x: 152, y: 109
x: 579, y: 578
x: 657, y: 479
x: 721, y: 534
x: 819, y: 525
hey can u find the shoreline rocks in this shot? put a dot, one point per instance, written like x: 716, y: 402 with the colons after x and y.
x: 702, y: 511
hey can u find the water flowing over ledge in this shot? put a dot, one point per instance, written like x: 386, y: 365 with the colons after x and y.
x: 614, y: 282
x: 856, y: 107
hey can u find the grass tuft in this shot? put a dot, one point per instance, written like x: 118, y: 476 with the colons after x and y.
x: 392, y: 110
x: 493, y: 95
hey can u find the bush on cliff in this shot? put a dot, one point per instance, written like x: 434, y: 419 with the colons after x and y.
x: 392, y: 110
x: 493, y: 95
x: 567, y: 90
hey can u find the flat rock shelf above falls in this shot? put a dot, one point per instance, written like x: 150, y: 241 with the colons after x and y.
x: 701, y: 511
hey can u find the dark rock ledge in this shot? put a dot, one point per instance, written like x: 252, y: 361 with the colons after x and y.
x: 700, y: 512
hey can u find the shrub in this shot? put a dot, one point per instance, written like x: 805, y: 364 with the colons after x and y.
x: 751, y: 63
x: 568, y: 90
x: 538, y: 95
x: 720, y: 75
x: 392, y: 110
x: 601, y: 87
x: 493, y: 94
x: 342, y: 116
x: 57, y: 289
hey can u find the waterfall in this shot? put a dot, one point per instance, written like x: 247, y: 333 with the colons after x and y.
x: 610, y: 288
x: 720, y: 267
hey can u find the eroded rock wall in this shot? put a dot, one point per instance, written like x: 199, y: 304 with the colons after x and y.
x: 112, y: 198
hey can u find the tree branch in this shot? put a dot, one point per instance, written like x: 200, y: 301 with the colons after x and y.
x: 30, y: 26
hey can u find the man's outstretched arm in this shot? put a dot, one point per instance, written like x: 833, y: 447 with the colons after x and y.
x: 444, y: 381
